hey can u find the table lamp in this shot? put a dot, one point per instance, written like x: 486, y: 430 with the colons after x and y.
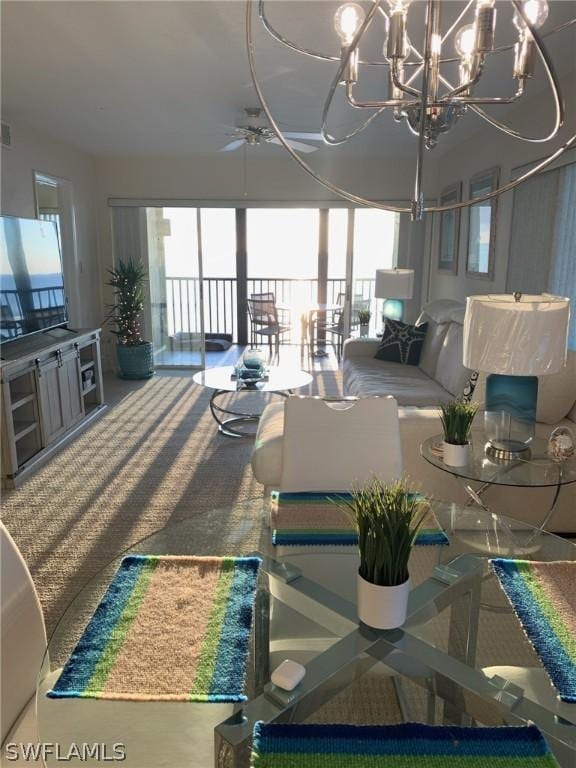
x: 514, y: 338
x: 394, y: 285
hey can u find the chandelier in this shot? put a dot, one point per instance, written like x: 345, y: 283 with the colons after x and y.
x: 419, y: 93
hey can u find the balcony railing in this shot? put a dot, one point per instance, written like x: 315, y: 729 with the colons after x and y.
x: 220, y: 300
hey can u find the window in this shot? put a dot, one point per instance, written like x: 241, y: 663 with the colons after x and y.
x: 482, y: 225
x: 282, y: 242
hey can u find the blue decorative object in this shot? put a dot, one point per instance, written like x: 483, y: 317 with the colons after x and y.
x: 253, y: 358
x: 401, y: 343
x: 393, y: 309
x: 510, y: 412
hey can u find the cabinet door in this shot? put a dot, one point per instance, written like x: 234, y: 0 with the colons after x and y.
x: 54, y: 417
x: 70, y: 386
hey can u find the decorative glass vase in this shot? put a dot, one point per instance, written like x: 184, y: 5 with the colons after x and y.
x: 253, y: 358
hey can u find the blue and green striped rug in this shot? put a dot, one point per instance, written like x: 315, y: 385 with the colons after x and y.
x: 315, y: 519
x: 168, y: 628
x: 411, y: 745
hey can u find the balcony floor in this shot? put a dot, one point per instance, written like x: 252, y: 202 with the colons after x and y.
x: 291, y: 355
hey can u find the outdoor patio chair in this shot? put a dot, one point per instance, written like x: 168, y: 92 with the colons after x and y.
x: 264, y: 319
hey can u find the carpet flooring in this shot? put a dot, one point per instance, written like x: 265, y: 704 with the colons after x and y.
x: 155, y: 457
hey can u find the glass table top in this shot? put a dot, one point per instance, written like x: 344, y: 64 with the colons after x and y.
x: 280, y: 379
x: 306, y: 609
x: 538, y: 470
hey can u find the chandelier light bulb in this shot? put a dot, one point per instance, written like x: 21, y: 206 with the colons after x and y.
x: 465, y: 40
x: 347, y: 21
x: 536, y: 12
x: 399, y: 5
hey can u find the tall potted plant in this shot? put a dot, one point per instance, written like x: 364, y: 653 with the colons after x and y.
x: 135, y: 358
x: 387, y: 518
x: 457, y: 417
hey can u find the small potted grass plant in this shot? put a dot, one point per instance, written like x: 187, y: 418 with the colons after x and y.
x: 457, y: 417
x: 364, y: 316
x: 135, y: 357
x: 388, y: 519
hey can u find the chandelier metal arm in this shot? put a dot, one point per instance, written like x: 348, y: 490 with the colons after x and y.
x: 432, y: 24
x: 405, y: 87
x: 470, y: 101
x: 381, y: 105
x: 469, y: 84
x: 451, y: 29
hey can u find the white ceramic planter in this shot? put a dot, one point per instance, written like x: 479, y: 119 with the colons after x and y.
x: 456, y: 455
x: 382, y: 607
x: 364, y: 330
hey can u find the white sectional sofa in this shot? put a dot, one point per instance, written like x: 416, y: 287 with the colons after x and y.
x: 439, y: 376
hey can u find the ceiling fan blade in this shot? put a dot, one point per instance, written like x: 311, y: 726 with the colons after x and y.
x: 232, y: 145
x: 297, y: 145
x: 303, y: 135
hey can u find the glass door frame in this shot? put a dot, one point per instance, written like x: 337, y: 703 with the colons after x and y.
x: 199, y: 311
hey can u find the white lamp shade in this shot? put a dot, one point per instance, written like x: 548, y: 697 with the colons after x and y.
x: 516, y: 338
x: 394, y: 284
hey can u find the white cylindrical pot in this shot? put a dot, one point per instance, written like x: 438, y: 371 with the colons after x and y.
x: 364, y: 330
x: 456, y: 455
x: 382, y: 607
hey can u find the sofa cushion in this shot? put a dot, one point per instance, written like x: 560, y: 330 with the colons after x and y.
x: 557, y: 393
x: 441, y: 311
x: 431, y: 347
x: 401, y: 343
x: 450, y: 372
x: 267, y: 453
x: 407, y: 383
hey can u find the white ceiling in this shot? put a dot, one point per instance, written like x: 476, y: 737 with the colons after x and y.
x: 169, y: 77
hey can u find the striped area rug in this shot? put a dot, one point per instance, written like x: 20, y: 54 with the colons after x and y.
x: 543, y: 596
x: 302, y: 519
x: 167, y: 629
x: 410, y: 745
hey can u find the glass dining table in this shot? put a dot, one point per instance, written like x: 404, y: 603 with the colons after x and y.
x: 453, y: 661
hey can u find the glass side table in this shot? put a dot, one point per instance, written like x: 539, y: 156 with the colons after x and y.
x: 538, y: 470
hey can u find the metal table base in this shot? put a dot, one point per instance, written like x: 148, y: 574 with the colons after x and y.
x: 228, y: 426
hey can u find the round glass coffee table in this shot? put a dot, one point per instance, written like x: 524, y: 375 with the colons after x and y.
x: 279, y: 381
x: 539, y: 470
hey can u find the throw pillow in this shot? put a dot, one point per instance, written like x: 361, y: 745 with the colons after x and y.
x: 401, y: 343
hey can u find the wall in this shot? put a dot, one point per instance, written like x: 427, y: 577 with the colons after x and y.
x: 486, y: 149
x: 33, y: 151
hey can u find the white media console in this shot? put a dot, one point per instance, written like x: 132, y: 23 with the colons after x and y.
x: 51, y: 388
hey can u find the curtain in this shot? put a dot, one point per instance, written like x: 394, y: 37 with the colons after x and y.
x: 562, y: 279
x: 533, y: 220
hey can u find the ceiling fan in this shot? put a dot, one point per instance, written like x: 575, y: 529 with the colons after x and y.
x: 256, y: 131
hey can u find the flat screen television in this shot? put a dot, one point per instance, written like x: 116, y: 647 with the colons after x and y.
x: 32, y: 296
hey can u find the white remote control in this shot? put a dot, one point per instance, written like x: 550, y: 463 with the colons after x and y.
x: 288, y: 675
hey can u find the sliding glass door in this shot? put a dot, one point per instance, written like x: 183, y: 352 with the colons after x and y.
x: 204, y: 263
x: 176, y: 290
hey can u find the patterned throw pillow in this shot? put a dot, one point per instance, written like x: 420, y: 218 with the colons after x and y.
x: 401, y: 343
